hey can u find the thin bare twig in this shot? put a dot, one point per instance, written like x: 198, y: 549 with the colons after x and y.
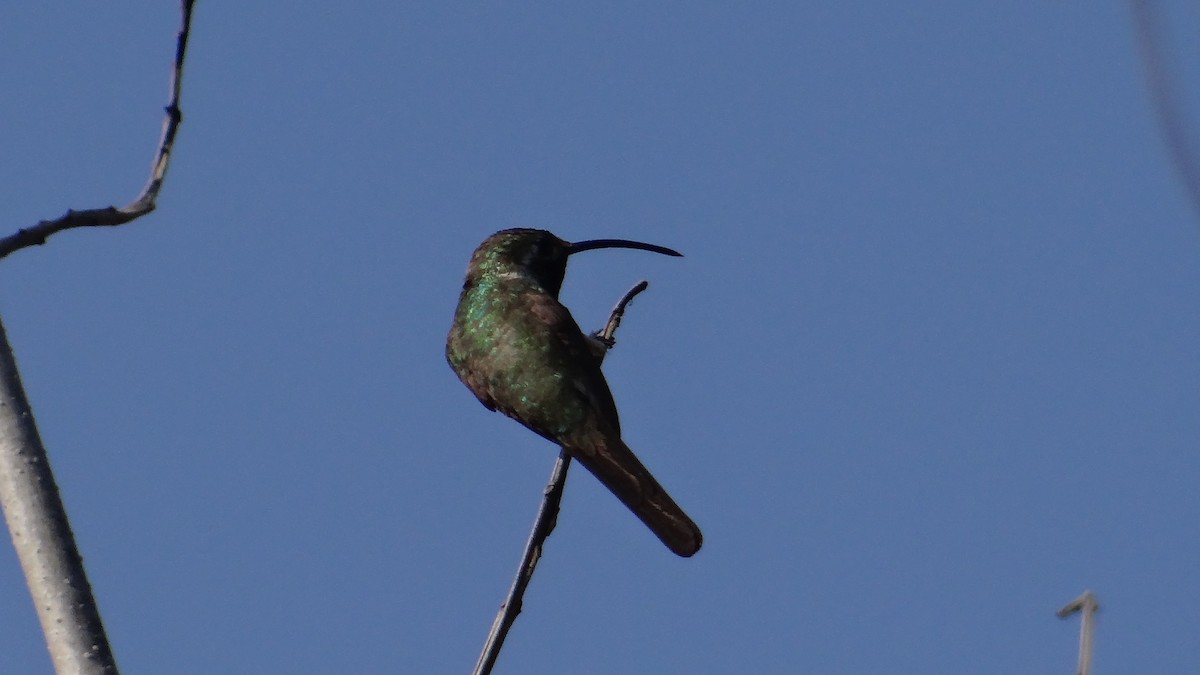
x: 33, y: 508
x: 614, y: 320
x: 145, y: 202
x: 547, y: 517
x: 1087, y: 605
x: 1168, y: 103
x: 543, y: 525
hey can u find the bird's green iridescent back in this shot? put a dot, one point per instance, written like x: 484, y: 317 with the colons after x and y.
x: 520, y: 351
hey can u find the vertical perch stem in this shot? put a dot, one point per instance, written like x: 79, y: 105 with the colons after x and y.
x: 543, y: 525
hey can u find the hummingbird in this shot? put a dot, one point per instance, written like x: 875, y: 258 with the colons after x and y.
x: 519, y: 350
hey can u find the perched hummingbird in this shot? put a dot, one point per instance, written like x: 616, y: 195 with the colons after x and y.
x: 518, y: 349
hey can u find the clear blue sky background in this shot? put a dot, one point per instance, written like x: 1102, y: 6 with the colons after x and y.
x: 929, y: 369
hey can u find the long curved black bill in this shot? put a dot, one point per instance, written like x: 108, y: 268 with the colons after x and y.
x: 592, y: 244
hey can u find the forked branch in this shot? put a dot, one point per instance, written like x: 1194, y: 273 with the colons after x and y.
x: 1087, y: 606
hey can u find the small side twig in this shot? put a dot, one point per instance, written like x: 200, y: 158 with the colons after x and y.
x: 544, y: 522
x: 614, y: 320
x: 145, y: 202
x: 1085, y: 604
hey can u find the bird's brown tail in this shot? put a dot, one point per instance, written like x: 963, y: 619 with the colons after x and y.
x: 619, y: 469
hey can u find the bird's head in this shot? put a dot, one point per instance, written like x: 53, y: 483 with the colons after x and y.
x: 540, y: 255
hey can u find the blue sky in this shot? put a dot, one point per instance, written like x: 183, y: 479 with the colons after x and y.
x: 927, y: 371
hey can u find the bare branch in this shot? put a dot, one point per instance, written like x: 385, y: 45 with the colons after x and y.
x: 543, y: 525
x: 1087, y: 605
x: 1167, y: 101
x: 42, y: 536
x: 547, y: 517
x: 29, y: 495
x: 145, y: 202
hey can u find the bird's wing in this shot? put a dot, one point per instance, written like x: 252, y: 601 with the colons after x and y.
x: 570, y: 353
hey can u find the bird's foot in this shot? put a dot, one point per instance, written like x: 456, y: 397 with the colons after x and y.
x: 599, y: 345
